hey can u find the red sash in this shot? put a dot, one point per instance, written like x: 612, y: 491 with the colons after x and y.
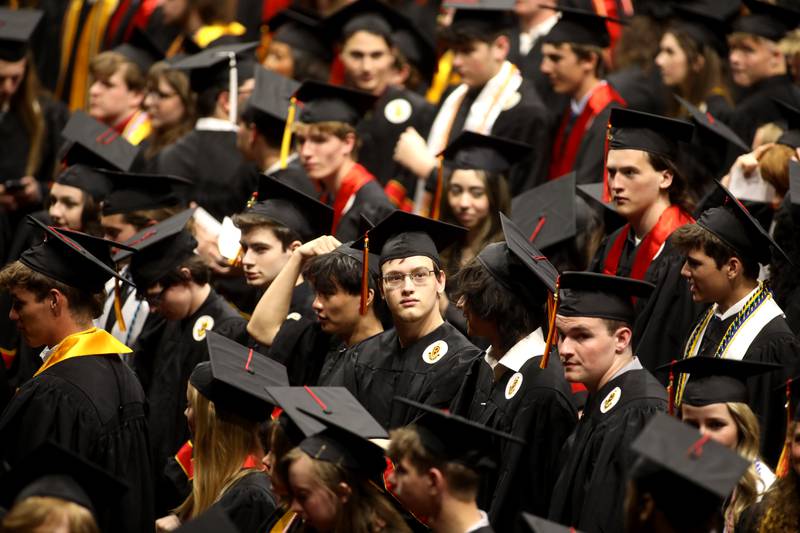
x: 671, y: 219
x: 397, y: 195
x: 563, y: 155
x: 351, y: 184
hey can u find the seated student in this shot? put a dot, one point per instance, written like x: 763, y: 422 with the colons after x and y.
x: 312, y: 348
x: 723, y: 251
x: 328, y: 143
x: 53, y: 489
x: 226, y: 401
x: 422, y: 356
x: 680, y: 479
x: 715, y: 402
x: 175, y: 283
x: 503, y: 293
x: 595, y: 314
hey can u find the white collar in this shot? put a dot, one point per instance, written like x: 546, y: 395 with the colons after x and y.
x: 578, y: 107
x: 633, y: 365
x: 215, y: 124
x: 276, y: 166
x: 735, y: 308
x: 520, y: 353
x: 483, y: 522
x: 528, y: 38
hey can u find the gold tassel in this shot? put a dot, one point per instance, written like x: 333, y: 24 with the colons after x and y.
x: 437, y: 197
x: 362, y: 309
x: 286, y: 141
x: 118, y: 305
x: 552, y: 309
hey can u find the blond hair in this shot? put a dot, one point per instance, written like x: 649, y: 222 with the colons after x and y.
x: 746, y: 490
x: 46, y: 513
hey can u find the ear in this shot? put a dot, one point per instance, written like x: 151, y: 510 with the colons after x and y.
x: 437, y: 481
x: 294, y: 246
x: 698, y: 63
x: 186, y: 275
x: 370, y: 297
x: 502, y: 46
x: 54, y: 299
x: 666, y: 180
x: 441, y: 281
x: 622, y: 339
x: 343, y: 492
x: 735, y: 267
x: 223, y: 101
x: 350, y: 142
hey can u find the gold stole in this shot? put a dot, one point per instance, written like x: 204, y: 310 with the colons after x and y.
x: 92, y: 341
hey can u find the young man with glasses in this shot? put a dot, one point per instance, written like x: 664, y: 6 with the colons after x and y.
x: 422, y: 357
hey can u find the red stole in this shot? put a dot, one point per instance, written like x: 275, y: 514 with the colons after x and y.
x: 562, y: 159
x: 671, y: 219
x: 351, y: 184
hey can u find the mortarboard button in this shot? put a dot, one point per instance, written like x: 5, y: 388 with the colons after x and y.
x: 16, y: 28
x: 329, y: 103
x: 638, y: 130
x: 580, y: 26
x: 132, y: 191
x: 588, y: 294
x: 284, y: 204
x: 96, y: 145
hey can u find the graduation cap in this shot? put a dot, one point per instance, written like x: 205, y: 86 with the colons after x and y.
x: 271, y: 95
x: 73, y: 258
x: 90, y: 180
x: 677, y: 456
x: 454, y: 438
x: 416, y: 41
x: 791, y: 135
x: 214, y: 520
x: 358, y: 255
x: 588, y: 294
x: 547, y: 213
x: 716, y: 380
x: 475, y: 151
x: 333, y: 403
x: 56, y: 472
x: 94, y: 144
x: 580, y: 26
x: 771, y: 21
x: 706, y: 24
x: 484, y: 17
x: 593, y: 192
x: 133, y: 191
x: 329, y: 103
x: 235, y: 378
x: 365, y: 15
x: 141, y: 50
x: 709, y: 123
x: 655, y: 134
x: 296, y: 210
x: 733, y: 224
x: 537, y: 524
x: 300, y: 31
x: 161, y: 248
x: 16, y: 28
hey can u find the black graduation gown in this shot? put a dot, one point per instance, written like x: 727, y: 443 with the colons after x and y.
x: 589, y: 162
x: 371, y: 202
x: 642, y: 90
x: 590, y: 491
x: 670, y: 303
x: 378, y: 369
x: 541, y: 413
x: 94, y: 406
x: 249, y: 502
x: 295, y: 175
x: 302, y: 347
x: 223, y: 180
x: 164, y: 359
x: 758, y: 106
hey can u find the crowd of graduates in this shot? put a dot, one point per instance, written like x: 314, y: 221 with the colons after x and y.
x: 366, y: 266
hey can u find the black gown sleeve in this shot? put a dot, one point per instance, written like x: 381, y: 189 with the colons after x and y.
x: 249, y: 502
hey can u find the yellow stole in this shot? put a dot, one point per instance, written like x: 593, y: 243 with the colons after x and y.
x: 138, y: 128
x: 208, y: 34
x: 92, y: 341
x: 284, y: 522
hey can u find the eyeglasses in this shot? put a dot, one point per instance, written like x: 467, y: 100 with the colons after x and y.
x: 395, y: 280
x: 152, y: 298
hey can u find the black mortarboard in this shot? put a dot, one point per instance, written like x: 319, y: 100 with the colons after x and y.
x: 593, y: 192
x: 141, y: 50
x: 733, y: 224
x: 402, y: 234
x: 284, y: 204
x: 588, y: 294
x: 518, y: 266
x: 161, y: 248
x: 547, y: 213
x: 705, y: 24
x: 674, y: 448
x: 210, y: 67
x: 474, y: 151
x: 16, y: 28
x: 537, y: 524
x: 454, y: 438
x: 299, y: 31
x: 329, y: 103
x: 655, y: 134
x: 73, y: 258
x: 339, y: 444
x: 579, y: 26
x: 236, y: 378
x: 768, y: 20
x: 56, y: 472
x: 348, y: 250
x: 132, y: 191
x: 94, y: 144
x: 709, y: 123
x: 214, y: 520
x: 484, y: 17
x: 271, y: 95
x: 333, y: 403
x: 715, y: 380
x: 368, y: 15
x: 791, y: 135
x: 90, y: 180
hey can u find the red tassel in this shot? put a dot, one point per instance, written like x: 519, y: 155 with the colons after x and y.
x: 606, y: 192
x: 552, y: 309
x: 362, y: 309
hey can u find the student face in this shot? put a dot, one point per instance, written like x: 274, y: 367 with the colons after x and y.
x: 527, y: 8
x: 565, y: 70
x: 635, y: 185
x: 672, y: 61
x: 368, y: 60
x: 116, y: 229
x: 751, y: 60
x: 279, y: 59
x: 409, y: 302
x: 323, y: 154
x: 174, y: 11
x: 714, y: 420
x: 707, y: 283
x: 587, y: 349
x: 468, y: 199
x: 795, y: 448
x: 31, y: 317
x: 264, y: 256
x: 111, y: 101
x: 11, y: 76
x: 66, y: 206
x: 164, y: 106
x: 479, y: 61
x: 173, y: 303
x: 337, y: 313
x: 310, y: 498
x: 413, y: 488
